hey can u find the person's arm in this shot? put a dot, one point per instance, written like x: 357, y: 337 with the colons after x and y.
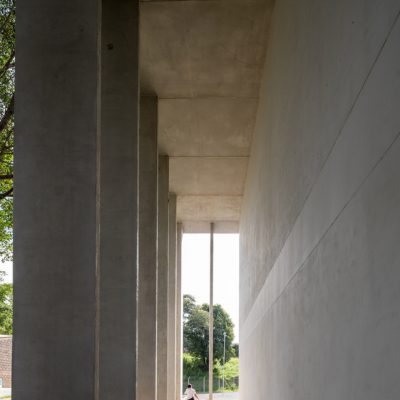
x: 195, y: 395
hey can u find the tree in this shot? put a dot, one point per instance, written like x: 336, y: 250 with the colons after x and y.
x: 235, y: 348
x: 189, y: 304
x: 222, y: 323
x: 7, y: 88
x: 6, y: 307
x: 196, y: 333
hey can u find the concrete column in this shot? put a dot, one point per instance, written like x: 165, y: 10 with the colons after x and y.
x: 211, y: 318
x: 162, y: 278
x: 172, y: 280
x: 179, y: 312
x: 147, y: 279
x: 118, y: 189
x: 56, y: 222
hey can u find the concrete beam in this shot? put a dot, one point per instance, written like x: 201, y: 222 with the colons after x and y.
x: 147, y: 279
x: 162, y: 278
x: 209, y: 208
x: 208, y: 175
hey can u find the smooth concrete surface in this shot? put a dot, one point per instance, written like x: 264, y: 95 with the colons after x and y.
x: 224, y: 176
x: 208, y: 208
x: 319, y: 260
x: 204, y: 227
x: 162, y: 278
x: 146, y: 385
x: 221, y: 396
x: 118, y: 200
x: 56, y: 200
x: 203, y: 48
x: 287, y: 163
x: 204, y: 61
x: 216, y: 126
x: 172, y: 292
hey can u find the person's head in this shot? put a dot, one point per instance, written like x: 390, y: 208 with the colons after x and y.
x: 189, y: 386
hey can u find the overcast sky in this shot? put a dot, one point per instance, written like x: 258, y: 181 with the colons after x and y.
x: 196, y: 268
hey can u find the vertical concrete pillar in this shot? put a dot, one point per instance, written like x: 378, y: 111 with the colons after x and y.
x: 162, y: 278
x: 147, y: 278
x: 56, y: 224
x: 179, y: 312
x: 172, y: 280
x: 211, y: 318
x: 118, y: 203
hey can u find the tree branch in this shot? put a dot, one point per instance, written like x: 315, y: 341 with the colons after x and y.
x: 3, y: 124
x: 7, y: 176
x: 7, y: 19
x: 7, y: 65
x: 6, y: 194
x: 7, y: 115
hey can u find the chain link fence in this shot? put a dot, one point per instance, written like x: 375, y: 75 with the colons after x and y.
x: 200, y: 384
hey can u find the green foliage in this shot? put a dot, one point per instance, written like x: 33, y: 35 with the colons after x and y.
x: 226, y: 377
x: 229, y: 370
x: 235, y: 348
x: 6, y: 233
x: 6, y: 307
x: 189, y: 305
x: 7, y: 87
x: 222, y: 323
x: 192, y: 365
x: 196, y: 333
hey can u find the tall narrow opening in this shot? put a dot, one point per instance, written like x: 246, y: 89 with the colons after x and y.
x: 196, y: 300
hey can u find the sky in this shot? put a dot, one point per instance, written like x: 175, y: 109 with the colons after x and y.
x: 7, y: 267
x: 196, y: 271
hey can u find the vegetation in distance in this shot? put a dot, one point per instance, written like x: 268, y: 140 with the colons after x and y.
x: 195, y: 346
x: 7, y: 89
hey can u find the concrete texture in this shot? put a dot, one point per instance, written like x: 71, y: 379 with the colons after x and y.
x: 207, y: 175
x: 162, y: 278
x: 203, y: 48
x: 212, y: 126
x: 204, y: 227
x: 204, y: 61
x: 146, y: 384
x: 208, y: 208
x: 172, y: 292
x: 320, y: 213
x: 56, y: 202
x: 220, y: 396
x: 118, y: 200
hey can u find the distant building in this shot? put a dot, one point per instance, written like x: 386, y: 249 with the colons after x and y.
x: 5, y: 360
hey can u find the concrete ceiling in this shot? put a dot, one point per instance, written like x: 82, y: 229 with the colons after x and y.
x: 203, y: 59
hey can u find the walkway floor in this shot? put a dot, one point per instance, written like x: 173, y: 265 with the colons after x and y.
x: 221, y: 396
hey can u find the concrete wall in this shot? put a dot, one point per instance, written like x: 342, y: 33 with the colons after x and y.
x: 320, y: 261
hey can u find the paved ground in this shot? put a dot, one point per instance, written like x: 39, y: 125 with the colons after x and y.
x: 221, y: 396
x: 5, y: 391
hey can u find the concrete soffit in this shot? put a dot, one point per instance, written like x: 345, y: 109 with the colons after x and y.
x: 204, y: 60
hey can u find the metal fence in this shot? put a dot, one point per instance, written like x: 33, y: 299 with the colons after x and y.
x: 200, y: 384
